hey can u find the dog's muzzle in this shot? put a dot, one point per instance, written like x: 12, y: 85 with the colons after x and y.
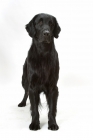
x: 46, y: 36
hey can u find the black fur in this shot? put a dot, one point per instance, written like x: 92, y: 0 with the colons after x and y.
x: 41, y: 68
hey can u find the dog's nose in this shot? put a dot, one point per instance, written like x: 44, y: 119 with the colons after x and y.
x: 46, y: 33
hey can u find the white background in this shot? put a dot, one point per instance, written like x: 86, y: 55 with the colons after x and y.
x: 75, y: 49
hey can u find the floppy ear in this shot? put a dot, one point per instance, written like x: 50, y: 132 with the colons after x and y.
x: 57, y: 29
x: 30, y: 28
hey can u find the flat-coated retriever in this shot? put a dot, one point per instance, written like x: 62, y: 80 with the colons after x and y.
x: 41, y: 68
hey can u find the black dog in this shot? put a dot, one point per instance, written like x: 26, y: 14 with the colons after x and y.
x: 41, y: 68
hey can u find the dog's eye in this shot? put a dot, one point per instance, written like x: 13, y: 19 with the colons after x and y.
x: 50, y: 23
x: 40, y: 22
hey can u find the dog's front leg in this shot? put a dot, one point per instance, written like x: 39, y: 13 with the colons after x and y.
x: 34, y: 100
x: 52, y: 103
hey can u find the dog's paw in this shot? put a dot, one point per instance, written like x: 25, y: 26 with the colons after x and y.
x: 34, y: 126
x: 53, y: 127
x: 22, y: 104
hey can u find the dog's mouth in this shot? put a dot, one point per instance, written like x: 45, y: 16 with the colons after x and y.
x: 45, y: 40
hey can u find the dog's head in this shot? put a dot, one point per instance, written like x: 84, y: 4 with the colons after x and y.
x: 43, y: 27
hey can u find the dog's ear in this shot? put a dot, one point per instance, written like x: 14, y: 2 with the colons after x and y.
x: 30, y: 27
x: 57, y: 29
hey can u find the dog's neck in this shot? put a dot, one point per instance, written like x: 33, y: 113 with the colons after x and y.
x: 42, y: 47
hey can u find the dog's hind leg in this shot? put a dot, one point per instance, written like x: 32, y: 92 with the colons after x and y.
x: 24, y: 84
x: 23, y: 102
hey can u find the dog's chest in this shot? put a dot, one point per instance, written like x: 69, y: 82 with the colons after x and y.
x: 44, y: 66
x: 43, y: 69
